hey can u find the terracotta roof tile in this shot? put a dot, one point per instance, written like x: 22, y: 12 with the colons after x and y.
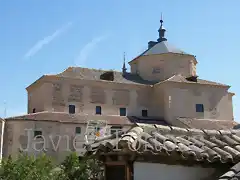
x: 205, y: 146
x: 232, y: 174
x: 94, y: 74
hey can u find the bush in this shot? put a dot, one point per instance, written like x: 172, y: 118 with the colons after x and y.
x: 26, y: 167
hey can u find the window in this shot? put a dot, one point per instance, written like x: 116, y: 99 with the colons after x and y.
x: 108, y: 76
x: 199, y: 108
x: 78, y: 130
x: 116, y: 129
x: 37, y: 133
x: 34, y: 110
x: 156, y: 70
x: 71, y: 109
x: 144, y: 113
x: 98, y: 110
x: 122, y: 111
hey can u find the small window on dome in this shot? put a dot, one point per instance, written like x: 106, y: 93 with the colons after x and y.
x: 108, y: 76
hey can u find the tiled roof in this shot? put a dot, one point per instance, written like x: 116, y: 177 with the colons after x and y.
x: 207, y: 123
x: 94, y: 74
x: 127, y: 78
x: 149, y: 120
x: 182, y: 79
x: 71, y: 118
x: 81, y: 118
x: 161, y: 48
x: 65, y: 117
x: 221, y: 146
x: 232, y: 174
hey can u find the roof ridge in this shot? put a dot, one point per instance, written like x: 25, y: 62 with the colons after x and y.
x: 88, y: 68
x: 27, y: 114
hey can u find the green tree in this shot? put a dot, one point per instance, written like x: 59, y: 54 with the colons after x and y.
x: 26, y: 167
x: 88, y: 168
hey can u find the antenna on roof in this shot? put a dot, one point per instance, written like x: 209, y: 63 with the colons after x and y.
x: 161, y: 31
x: 5, y: 109
x: 124, y: 69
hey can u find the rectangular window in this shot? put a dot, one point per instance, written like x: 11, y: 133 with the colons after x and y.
x: 78, y: 130
x: 199, y: 108
x: 71, y: 109
x: 115, y: 172
x: 37, y: 133
x: 98, y: 110
x: 123, y: 111
x: 144, y: 113
x: 116, y: 129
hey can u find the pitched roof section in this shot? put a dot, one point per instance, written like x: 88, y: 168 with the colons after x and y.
x: 64, y: 117
x: 187, y: 144
x: 181, y: 79
x: 207, y: 123
x: 162, y: 48
x: 127, y: 78
x: 232, y: 174
x: 82, y: 119
x: 94, y: 74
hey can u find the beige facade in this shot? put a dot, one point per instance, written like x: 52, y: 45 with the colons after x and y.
x: 167, y: 99
x: 162, y: 86
x: 57, y: 138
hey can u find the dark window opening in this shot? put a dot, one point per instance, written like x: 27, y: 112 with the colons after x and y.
x: 71, y: 109
x: 123, y: 111
x: 116, y: 129
x: 144, y: 113
x: 34, y: 110
x: 97, y: 129
x: 78, y: 130
x: 98, y: 110
x: 115, y: 172
x: 108, y: 76
x: 37, y: 134
x: 192, y: 78
x: 199, y: 108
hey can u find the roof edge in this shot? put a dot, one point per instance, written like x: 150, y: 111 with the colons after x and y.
x: 141, y: 55
x: 39, y: 81
x: 169, y: 81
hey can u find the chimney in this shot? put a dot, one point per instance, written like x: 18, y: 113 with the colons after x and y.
x: 192, y: 78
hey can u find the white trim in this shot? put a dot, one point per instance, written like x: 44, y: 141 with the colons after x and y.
x: 2, y: 133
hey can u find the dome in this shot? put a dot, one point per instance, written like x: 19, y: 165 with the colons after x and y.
x: 162, y: 48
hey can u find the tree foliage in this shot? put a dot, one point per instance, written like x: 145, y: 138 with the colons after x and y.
x: 25, y: 167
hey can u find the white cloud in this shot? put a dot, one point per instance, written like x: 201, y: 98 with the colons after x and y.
x: 46, y: 40
x: 87, y: 49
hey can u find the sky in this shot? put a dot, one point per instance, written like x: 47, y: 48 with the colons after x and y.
x: 46, y: 36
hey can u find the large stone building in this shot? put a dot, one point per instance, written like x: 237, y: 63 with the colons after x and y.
x: 162, y: 87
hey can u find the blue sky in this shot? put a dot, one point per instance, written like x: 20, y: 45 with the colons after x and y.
x: 46, y: 36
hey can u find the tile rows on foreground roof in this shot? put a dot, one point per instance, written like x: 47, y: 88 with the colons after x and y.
x: 232, y: 174
x: 201, y: 145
